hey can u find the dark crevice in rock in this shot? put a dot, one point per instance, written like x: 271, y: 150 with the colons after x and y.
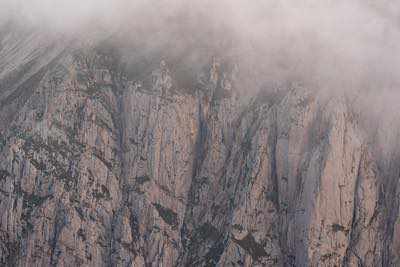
x: 59, y: 224
x: 354, y: 231
x: 201, y: 142
x: 274, y: 188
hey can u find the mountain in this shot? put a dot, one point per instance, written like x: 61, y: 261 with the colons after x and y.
x: 159, y: 162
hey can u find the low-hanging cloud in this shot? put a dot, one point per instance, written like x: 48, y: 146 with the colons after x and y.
x: 339, y: 46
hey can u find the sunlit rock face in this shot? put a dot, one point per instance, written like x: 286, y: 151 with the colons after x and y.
x: 104, y: 166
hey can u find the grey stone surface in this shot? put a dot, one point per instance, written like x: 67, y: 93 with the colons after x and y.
x: 101, y: 169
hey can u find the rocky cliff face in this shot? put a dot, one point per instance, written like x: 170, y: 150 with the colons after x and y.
x: 100, y: 168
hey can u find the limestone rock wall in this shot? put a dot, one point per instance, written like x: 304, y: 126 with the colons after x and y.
x: 101, y: 169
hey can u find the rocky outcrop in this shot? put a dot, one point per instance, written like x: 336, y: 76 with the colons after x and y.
x: 99, y: 168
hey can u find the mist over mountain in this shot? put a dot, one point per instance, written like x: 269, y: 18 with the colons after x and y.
x: 188, y: 133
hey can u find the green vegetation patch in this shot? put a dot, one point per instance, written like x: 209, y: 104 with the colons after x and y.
x: 3, y: 142
x: 142, y: 179
x: 4, y: 174
x: 249, y: 244
x: 339, y: 228
x: 207, y: 231
x: 103, y: 193
x: 169, y: 216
